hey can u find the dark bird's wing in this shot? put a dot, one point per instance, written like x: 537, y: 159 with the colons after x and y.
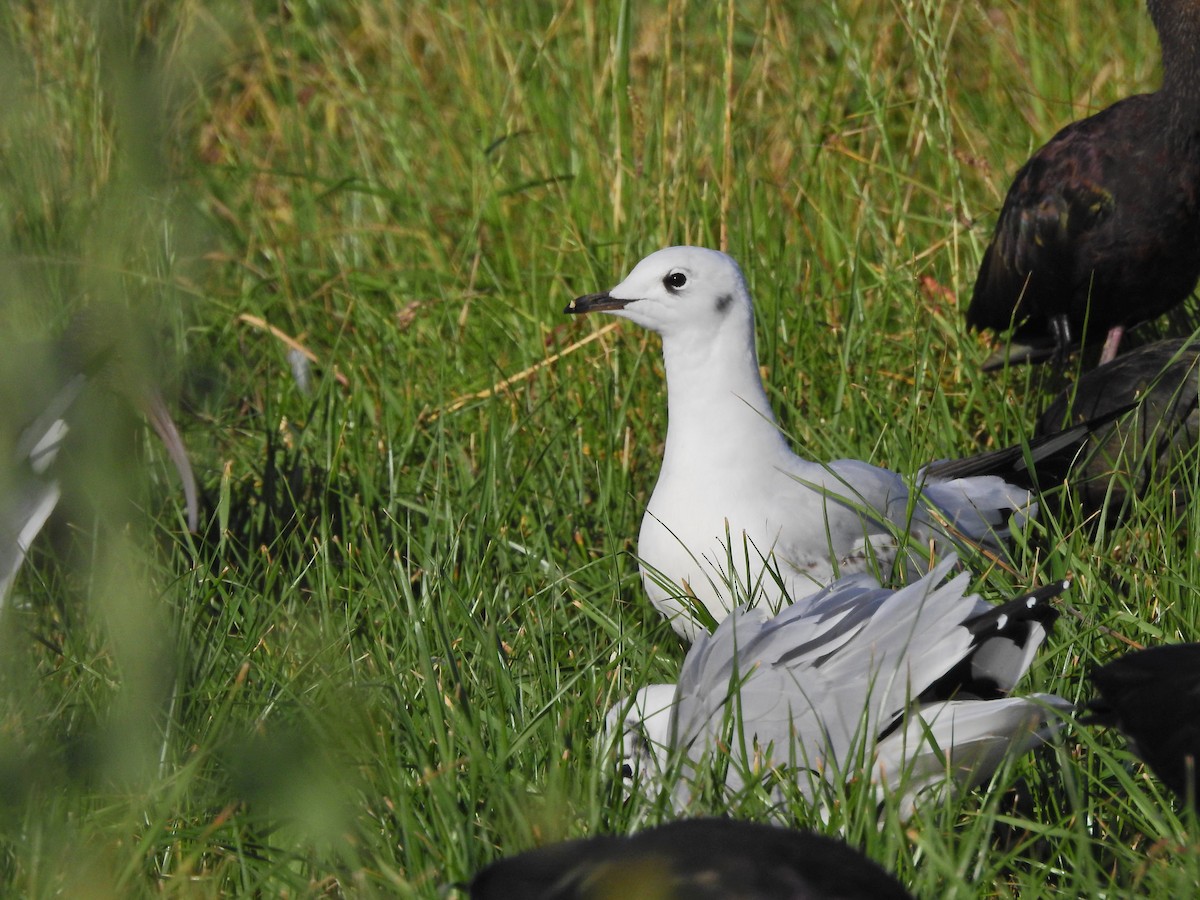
x: 1030, y: 269
x: 1120, y: 427
x: 1153, y: 697
x: 1157, y: 385
x: 1098, y: 231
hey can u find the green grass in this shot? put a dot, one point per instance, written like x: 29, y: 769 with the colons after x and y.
x: 384, y: 661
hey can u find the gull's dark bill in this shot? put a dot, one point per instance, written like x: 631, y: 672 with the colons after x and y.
x: 594, y: 303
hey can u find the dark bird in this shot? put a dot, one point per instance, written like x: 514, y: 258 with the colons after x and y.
x: 1153, y: 697
x: 1120, y: 428
x: 696, y: 859
x: 1147, y: 402
x: 1101, y: 227
x: 45, y: 396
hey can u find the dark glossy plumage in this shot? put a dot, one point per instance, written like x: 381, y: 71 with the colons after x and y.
x: 704, y: 859
x: 1107, y: 213
x: 1123, y: 427
x: 1153, y: 697
x: 1155, y: 443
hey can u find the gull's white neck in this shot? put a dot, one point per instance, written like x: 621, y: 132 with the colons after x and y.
x: 717, y: 409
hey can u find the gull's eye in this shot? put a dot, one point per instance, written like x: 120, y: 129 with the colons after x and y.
x: 675, y: 280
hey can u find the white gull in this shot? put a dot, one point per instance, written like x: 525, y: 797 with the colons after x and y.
x: 908, y: 687
x: 735, y: 513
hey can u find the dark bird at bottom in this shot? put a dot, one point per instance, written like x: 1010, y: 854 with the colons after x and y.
x: 704, y: 859
x: 1100, y: 229
x: 1152, y: 696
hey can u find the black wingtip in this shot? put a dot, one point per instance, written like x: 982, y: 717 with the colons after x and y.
x: 1033, y: 606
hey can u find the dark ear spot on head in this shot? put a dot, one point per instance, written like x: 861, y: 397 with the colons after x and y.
x: 723, y: 302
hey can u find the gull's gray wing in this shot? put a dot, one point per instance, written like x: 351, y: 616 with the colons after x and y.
x: 963, y: 741
x: 975, y: 508
x: 861, y: 677
x: 814, y: 681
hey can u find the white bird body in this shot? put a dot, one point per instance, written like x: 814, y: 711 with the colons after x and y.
x: 736, y: 515
x: 911, y: 683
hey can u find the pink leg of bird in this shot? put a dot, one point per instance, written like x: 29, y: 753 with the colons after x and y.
x: 1109, y: 353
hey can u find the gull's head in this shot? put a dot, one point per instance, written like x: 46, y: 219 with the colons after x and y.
x: 638, y: 731
x: 676, y: 291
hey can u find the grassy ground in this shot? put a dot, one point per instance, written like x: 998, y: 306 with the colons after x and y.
x: 384, y: 660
